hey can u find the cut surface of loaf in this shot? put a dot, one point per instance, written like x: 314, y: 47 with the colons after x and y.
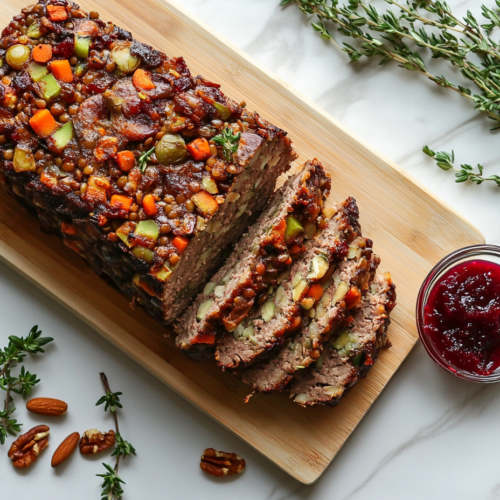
x: 295, y: 293
x: 351, y: 351
x: 294, y: 215
x: 146, y: 171
x: 349, y: 280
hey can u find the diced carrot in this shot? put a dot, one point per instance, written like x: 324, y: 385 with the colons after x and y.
x: 149, y: 205
x: 42, y: 53
x: 121, y: 202
x: 126, y: 160
x: 142, y: 80
x: 353, y: 297
x: 199, y: 149
x: 204, y: 338
x: 316, y: 291
x: 57, y: 13
x: 180, y: 243
x: 295, y: 322
x: 205, y: 203
x: 68, y: 228
x: 43, y: 123
x: 62, y: 70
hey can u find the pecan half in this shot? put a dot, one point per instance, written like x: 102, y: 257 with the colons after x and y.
x: 25, y: 450
x: 93, y: 441
x: 219, y: 463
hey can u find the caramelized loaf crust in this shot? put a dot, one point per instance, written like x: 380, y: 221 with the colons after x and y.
x: 111, y: 144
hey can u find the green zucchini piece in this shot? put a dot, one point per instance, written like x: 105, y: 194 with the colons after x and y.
x: 143, y: 253
x: 148, y: 229
x: 293, y: 228
x: 34, y: 30
x: 24, y: 161
x: 50, y: 88
x: 37, y: 71
x: 224, y: 111
x: 82, y: 46
x: 62, y: 136
x: 203, y: 309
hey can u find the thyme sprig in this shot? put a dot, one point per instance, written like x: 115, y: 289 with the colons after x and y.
x: 144, y: 158
x: 112, y: 485
x: 446, y: 161
x: 229, y: 142
x: 452, y: 39
x: 22, y: 384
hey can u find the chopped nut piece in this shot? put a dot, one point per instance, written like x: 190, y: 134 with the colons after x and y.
x: 219, y: 463
x: 93, y: 441
x: 25, y: 450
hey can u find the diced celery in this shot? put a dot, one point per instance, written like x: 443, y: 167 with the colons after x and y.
x: 37, y: 71
x: 319, y: 267
x: 143, y: 253
x: 24, y: 161
x: 209, y: 185
x: 82, y: 46
x: 148, y: 229
x: 34, y: 30
x: 224, y: 111
x: 124, y: 230
x: 267, y: 310
x: 81, y: 69
x: 341, y: 340
x: 203, y: 309
x: 340, y: 293
x: 297, y: 291
x: 62, y: 136
x: 50, y: 88
x: 293, y: 228
x: 125, y: 61
x: 164, y: 273
x: 209, y: 288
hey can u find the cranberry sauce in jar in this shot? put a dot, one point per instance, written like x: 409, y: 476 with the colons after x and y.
x: 461, y: 317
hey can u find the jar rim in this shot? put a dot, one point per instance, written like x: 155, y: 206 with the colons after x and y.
x: 461, y: 255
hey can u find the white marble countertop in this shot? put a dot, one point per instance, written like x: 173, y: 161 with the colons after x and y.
x: 429, y: 435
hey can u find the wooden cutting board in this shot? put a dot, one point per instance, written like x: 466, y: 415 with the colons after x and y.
x: 411, y: 228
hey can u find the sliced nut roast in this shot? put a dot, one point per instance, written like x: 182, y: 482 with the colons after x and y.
x: 94, y: 441
x: 65, y: 449
x: 219, y: 463
x: 25, y: 450
x: 47, y: 406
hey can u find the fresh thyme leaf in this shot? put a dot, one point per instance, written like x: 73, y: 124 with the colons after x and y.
x: 10, y: 357
x: 112, y: 484
x: 144, y: 158
x: 446, y: 161
x: 400, y: 33
x: 229, y: 142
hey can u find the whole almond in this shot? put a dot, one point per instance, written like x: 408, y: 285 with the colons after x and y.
x: 47, y: 406
x: 65, y: 449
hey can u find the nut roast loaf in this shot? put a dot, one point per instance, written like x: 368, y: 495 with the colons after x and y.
x: 154, y: 177
x: 145, y: 170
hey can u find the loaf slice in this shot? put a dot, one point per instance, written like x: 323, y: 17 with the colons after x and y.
x: 350, y: 279
x: 351, y: 351
x: 146, y: 171
x: 296, y: 291
x: 293, y: 214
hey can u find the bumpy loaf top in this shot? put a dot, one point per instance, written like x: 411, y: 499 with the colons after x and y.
x: 120, y: 131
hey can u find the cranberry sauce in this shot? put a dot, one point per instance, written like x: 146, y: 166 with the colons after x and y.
x: 462, y: 317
